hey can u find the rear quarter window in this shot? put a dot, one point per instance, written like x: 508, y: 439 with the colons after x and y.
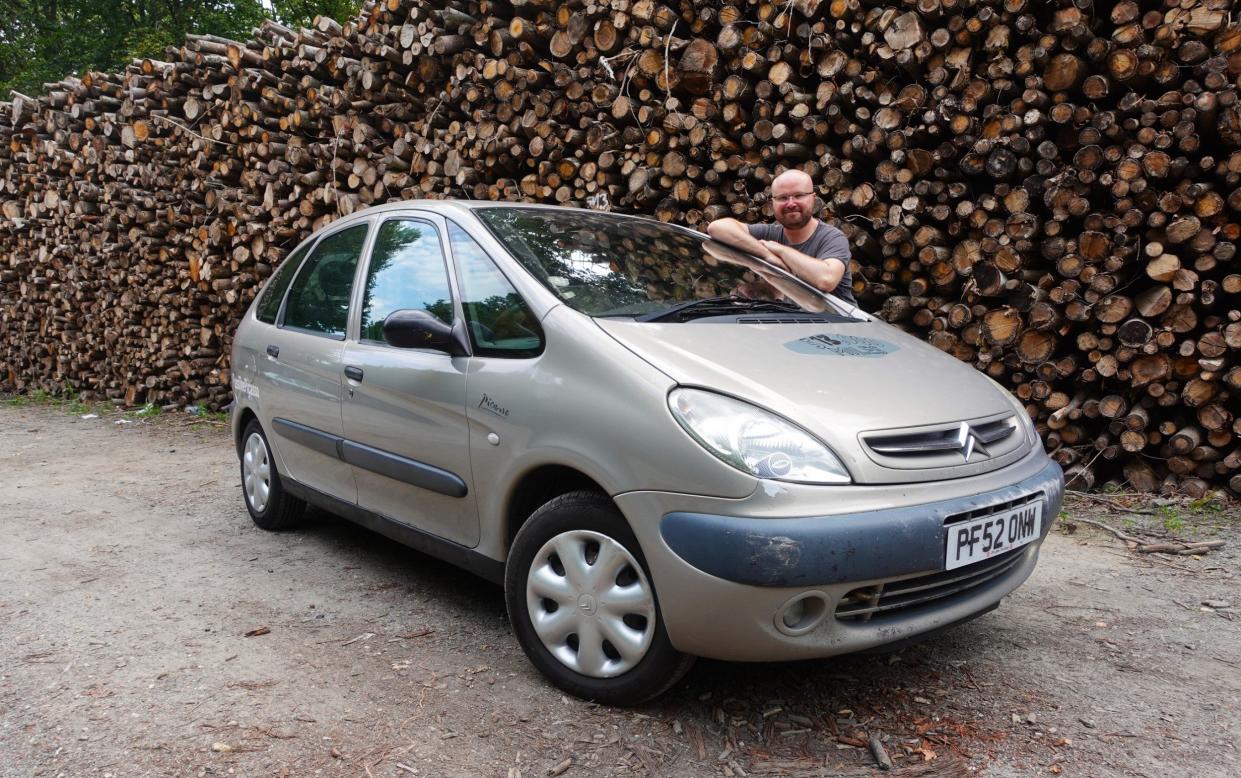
x: 273, y: 293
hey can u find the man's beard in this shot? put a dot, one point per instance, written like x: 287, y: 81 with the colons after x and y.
x: 794, y: 221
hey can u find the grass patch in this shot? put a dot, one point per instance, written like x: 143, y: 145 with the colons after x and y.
x: 1208, y: 504
x: 68, y: 400
x: 1170, y: 519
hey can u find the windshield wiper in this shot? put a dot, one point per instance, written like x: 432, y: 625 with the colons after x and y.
x: 718, y: 306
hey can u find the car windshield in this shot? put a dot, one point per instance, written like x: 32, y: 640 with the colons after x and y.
x: 609, y: 265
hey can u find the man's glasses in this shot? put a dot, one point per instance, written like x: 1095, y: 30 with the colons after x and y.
x: 782, y: 199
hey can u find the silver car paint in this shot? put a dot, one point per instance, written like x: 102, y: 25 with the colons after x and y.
x: 834, y: 397
x: 409, y: 402
x: 304, y: 384
x: 596, y: 401
x: 589, y: 404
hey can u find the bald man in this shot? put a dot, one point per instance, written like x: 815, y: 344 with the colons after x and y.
x: 810, y: 249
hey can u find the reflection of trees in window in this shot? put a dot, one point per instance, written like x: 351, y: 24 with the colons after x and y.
x: 598, y: 262
x: 406, y: 272
x: 442, y: 310
x: 500, y: 323
x: 505, y: 316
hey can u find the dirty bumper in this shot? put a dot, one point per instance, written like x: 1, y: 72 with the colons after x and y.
x: 736, y: 577
x: 820, y: 551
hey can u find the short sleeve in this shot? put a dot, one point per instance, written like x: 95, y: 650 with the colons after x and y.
x: 765, y: 231
x: 836, y: 245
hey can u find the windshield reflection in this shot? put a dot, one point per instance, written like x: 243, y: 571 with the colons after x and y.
x: 605, y: 264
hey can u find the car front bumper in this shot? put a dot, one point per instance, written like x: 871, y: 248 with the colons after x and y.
x: 726, y: 570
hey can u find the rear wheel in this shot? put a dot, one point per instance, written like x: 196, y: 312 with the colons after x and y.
x: 582, y: 604
x: 270, y: 506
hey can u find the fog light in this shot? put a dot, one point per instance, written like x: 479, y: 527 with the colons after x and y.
x: 793, y: 613
x: 802, y: 613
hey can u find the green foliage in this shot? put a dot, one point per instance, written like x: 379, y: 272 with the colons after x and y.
x: 1172, y: 521
x: 149, y: 410
x: 300, y: 13
x: 46, y: 40
x: 66, y: 398
x: 1207, y: 504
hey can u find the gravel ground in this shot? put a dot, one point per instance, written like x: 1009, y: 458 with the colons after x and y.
x: 148, y: 628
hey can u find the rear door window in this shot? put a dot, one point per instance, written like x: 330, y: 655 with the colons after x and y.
x: 319, y: 298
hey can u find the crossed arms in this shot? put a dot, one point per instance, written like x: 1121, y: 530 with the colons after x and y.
x: 823, y: 274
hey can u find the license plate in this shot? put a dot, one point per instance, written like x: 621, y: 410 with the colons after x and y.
x: 979, y: 539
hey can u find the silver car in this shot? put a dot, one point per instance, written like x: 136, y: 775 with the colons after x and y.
x: 663, y: 448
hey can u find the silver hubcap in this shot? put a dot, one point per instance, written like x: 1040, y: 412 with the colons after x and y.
x: 256, y: 472
x: 590, y: 604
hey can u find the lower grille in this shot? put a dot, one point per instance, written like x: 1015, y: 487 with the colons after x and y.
x: 891, y: 598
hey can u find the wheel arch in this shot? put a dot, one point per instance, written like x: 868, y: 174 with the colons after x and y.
x: 539, y: 486
x: 244, y: 417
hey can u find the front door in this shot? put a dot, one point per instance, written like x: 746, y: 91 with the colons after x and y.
x: 406, y: 432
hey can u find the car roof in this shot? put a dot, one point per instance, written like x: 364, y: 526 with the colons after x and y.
x: 446, y: 206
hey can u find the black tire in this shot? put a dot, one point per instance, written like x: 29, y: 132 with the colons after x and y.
x: 281, y: 510
x: 658, y: 669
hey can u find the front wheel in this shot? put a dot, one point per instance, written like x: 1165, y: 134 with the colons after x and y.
x: 582, y: 604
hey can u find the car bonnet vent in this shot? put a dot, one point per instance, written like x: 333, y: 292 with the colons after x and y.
x: 784, y: 320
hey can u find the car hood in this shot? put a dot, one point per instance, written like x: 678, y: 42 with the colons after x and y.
x: 837, y: 380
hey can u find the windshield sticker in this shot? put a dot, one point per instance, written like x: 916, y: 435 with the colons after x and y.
x: 842, y: 345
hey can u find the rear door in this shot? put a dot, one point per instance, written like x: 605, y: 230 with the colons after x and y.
x: 302, y: 365
x: 404, y: 415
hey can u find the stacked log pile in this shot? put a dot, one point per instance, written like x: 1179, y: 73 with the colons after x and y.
x: 1049, y: 191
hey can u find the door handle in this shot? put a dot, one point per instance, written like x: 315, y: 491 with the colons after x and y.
x: 353, y: 372
x: 273, y: 352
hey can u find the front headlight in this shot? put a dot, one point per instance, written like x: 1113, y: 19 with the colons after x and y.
x: 755, y: 441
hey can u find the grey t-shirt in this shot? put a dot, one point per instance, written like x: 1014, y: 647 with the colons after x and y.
x: 826, y: 241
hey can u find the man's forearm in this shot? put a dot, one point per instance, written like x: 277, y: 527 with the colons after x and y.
x: 735, y: 233
x: 823, y: 274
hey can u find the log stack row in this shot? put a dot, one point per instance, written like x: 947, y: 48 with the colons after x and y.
x: 1049, y: 191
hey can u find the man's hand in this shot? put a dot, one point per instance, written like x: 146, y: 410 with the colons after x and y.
x: 775, y: 250
x: 822, y: 274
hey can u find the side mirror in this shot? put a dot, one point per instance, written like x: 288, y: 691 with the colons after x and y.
x: 411, y: 328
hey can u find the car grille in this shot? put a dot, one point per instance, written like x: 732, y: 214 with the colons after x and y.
x: 994, y: 508
x: 869, y: 602
x: 887, y: 599
x: 991, y: 441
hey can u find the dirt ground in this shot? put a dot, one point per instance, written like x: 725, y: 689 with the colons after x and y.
x: 134, y: 588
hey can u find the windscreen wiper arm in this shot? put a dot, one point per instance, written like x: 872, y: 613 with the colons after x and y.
x: 715, y: 306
